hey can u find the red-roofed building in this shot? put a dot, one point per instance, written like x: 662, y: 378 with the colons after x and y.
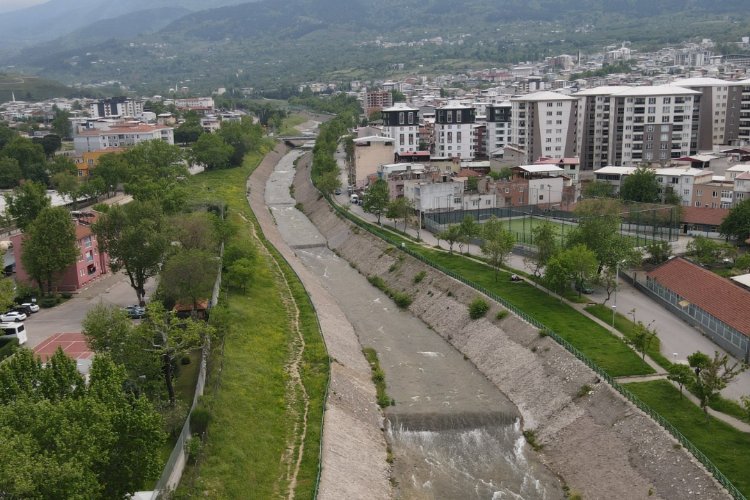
x: 90, y: 265
x: 702, y: 220
x: 717, y: 306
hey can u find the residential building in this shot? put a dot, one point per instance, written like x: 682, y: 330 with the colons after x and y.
x: 719, y: 110
x: 613, y: 175
x: 744, y: 124
x: 201, y: 105
x: 701, y: 297
x: 682, y: 181
x: 121, y: 135
x: 86, y: 162
x: 498, y: 127
x: 454, y: 132
x: 544, y: 124
x: 642, y: 124
x: 401, y: 123
x: 90, y: 264
x: 116, y: 107
x: 376, y: 100
x: 369, y: 153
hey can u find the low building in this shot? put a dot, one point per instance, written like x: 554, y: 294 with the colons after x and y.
x: 122, y: 135
x: 714, y: 304
x: 369, y: 153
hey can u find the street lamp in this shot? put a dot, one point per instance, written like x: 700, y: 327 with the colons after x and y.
x: 617, y: 279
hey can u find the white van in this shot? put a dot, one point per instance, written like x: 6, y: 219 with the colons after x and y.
x: 354, y: 199
x: 14, y: 330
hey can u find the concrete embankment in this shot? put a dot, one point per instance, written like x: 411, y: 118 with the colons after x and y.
x: 599, y: 443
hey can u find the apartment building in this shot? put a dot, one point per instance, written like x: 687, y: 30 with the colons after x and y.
x: 453, y: 133
x: 638, y: 124
x: 376, y: 100
x: 719, y: 111
x: 120, y: 135
x: 116, y: 107
x: 544, y: 124
x: 744, y: 122
x: 683, y: 182
x: 498, y: 127
x: 401, y: 123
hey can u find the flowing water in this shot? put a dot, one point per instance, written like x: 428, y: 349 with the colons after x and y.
x: 452, y: 433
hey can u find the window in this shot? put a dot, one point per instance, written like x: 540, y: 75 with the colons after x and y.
x: 698, y: 204
x: 652, y: 100
x: 87, y: 241
x: 686, y: 191
x: 459, y: 116
x: 651, y: 119
x: 449, y: 116
x: 450, y: 137
x: 411, y: 117
x: 401, y: 118
x: 650, y: 128
x: 549, y: 104
x: 401, y: 138
x: 699, y: 192
x: 652, y: 109
x: 667, y: 100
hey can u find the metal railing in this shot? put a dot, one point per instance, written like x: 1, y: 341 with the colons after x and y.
x: 699, y: 455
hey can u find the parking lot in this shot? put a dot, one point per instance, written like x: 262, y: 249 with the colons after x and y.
x: 67, y: 317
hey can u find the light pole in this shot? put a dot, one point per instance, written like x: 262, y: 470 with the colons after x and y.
x: 614, y: 306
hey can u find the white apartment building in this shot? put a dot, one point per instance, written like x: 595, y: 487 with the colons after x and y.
x: 120, y: 136
x: 116, y: 107
x: 453, y: 133
x: 744, y: 123
x: 498, y: 127
x: 637, y: 124
x: 544, y: 124
x: 401, y: 123
x: 719, y: 110
x: 428, y: 196
x: 682, y: 181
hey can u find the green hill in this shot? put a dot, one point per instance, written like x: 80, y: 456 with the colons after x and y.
x: 31, y: 88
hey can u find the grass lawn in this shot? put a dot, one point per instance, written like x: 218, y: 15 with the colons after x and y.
x: 596, y: 342
x: 251, y: 423
x: 290, y: 122
x: 521, y: 228
x: 725, y: 446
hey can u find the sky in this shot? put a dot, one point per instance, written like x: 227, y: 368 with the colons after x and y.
x: 8, y: 5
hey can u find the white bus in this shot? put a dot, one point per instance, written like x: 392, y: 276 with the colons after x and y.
x: 14, y: 330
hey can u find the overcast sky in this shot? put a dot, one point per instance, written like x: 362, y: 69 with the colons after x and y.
x: 6, y: 5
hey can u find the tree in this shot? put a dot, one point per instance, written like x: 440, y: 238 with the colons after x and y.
x: 659, y: 251
x: 10, y: 172
x: 243, y: 136
x: 742, y: 263
x: 195, y: 231
x: 497, y: 243
x: 556, y: 275
x: 171, y: 338
x: 50, y: 143
x: 640, y: 186
x: 707, y: 252
x: 736, y: 224
x: 134, y: 237
x: 545, y: 239
x: 30, y: 158
x: 580, y: 264
x: 188, y: 276
x: 745, y: 403
x: 642, y: 337
x: 189, y: 131
x: 25, y: 203
x: 452, y: 234
x: 681, y: 374
x: 7, y: 293
x: 241, y: 273
x: 399, y: 208
x: 212, y: 151
x: 598, y: 189
x: 67, y: 185
x: 154, y: 171
x: 375, y: 200
x: 468, y: 229
x: 329, y: 182
x: 50, y: 246
x: 61, y: 124
x: 112, y: 169
x: 712, y: 375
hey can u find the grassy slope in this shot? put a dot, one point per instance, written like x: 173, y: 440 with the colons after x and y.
x: 250, y: 422
x: 725, y: 446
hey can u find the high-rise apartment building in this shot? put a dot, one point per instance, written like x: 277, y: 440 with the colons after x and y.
x: 454, y: 132
x: 401, y: 123
x: 719, y: 110
x: 543, y: 124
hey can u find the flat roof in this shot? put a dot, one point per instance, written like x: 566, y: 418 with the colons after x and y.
x: 616, y: 170
x: 603, y: 90
x: 743, y: 279
x: 373, y: 138
x: 544, y: 95
x: 703, y: 82
x: 540, y: 168
x: 648, y: 90
x: 682, y: 171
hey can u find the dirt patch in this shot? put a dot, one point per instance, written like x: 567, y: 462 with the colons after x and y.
x: 600, y: 444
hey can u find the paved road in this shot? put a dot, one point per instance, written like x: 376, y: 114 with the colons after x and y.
x: 67, y: 317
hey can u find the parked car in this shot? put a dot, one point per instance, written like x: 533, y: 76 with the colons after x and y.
x: 33, y: 306
x: 22, y: 309
x: 135, y: 312
x: 14, y: 330
x: 584, y: 288
x: 12, y: 317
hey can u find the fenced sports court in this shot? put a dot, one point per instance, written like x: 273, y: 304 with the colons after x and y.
x: 643, y: 223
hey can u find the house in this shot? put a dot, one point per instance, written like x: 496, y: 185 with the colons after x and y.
x: 718, y: 307
x: 90, y: 264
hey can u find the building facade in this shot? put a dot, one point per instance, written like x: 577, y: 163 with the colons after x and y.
x: 545, y: 124
x: 498, y: 127
x: 401, y: 123
x: 453, y: 135
x: 121, y: 136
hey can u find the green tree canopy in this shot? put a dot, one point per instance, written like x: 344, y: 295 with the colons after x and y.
x: 50, y: 246
x: 736, y: 224
x: 375, y: 200
x: 451, y: 234
x: 545, y: 239
x: 61, y: 124
x: 399, y: 208
x: 134, y: 236
x: 640, y: 186
x: 212, y: 151
x: 497, y: 242
x: 10, y: 172
x: 598, y: 189
x: 112, y: 169
x: 154, y: 171
x: 25, y: 203
x: 188, y: 276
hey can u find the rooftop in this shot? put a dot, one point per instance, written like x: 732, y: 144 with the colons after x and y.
x: 702, y: 82
x: 707, y: 216
x: 543, y: 96
x: 712, y: 293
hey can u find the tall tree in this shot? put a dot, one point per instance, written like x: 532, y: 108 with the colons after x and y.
x: 190, y: 130
x: 580, y: 264
x: 30, y: 157
x: 599, y: 230
x: 61, y: 124
x: 50, y: 143
x: 712, y: 376
x: 10, y: 172
x: 452, y: 234
x: 736, y: 224
x: 134, y: 236
x: 329, y: 182
x: 399, y: 208
x: 189, y: 275
x: 376, y: 199
x: 680, y: 374
x: 469, y: 229
x: 212, y: 151
x: 640, y: 186
x: 497, y: 243
x: 154, y: 170
x: 545, y: 239
x: 642, y: 337
x: 50, y: 246
x: 112, y: 169
x: 7, y: 293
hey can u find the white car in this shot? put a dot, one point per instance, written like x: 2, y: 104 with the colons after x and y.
x: 12, y: 317
x: 32, y: 306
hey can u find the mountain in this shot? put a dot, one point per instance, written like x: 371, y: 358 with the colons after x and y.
x: 56, y: 18
x: 31, y: 88
x: 279, y: 43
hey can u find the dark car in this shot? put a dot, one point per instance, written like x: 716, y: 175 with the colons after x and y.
x: 584, y: 288
x: 135, y: 312
x: 26, y: 309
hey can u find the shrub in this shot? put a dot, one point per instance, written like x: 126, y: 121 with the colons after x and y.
x: 584, y: 391
x: 47, y: 302
x: 377, y: 282
x: 478, y: 308
x: 299, y: 206
x: 199, y: 420
x: 530, y: 436
x: 501, y: 315
x: 402, y: 299
x: 419, y: 276
x: 544, y: 333
x: 66, y: 295
x: 193, y: 448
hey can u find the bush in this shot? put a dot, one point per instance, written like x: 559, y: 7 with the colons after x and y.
x: 193, y: 448
x: 478, y: 308
x: 402, y: 299
x: 66, y: 295
x: 501, y: 315
x: 47, y: 302
x: 199, y: 420
x: 419, y: 276
x: 377, y: 282
x: 584, y: 391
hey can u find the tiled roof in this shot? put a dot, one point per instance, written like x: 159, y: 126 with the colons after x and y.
x: 710, y: 216
x: 712, y: 293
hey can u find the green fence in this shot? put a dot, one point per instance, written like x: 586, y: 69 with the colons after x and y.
x: 718, y: 475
